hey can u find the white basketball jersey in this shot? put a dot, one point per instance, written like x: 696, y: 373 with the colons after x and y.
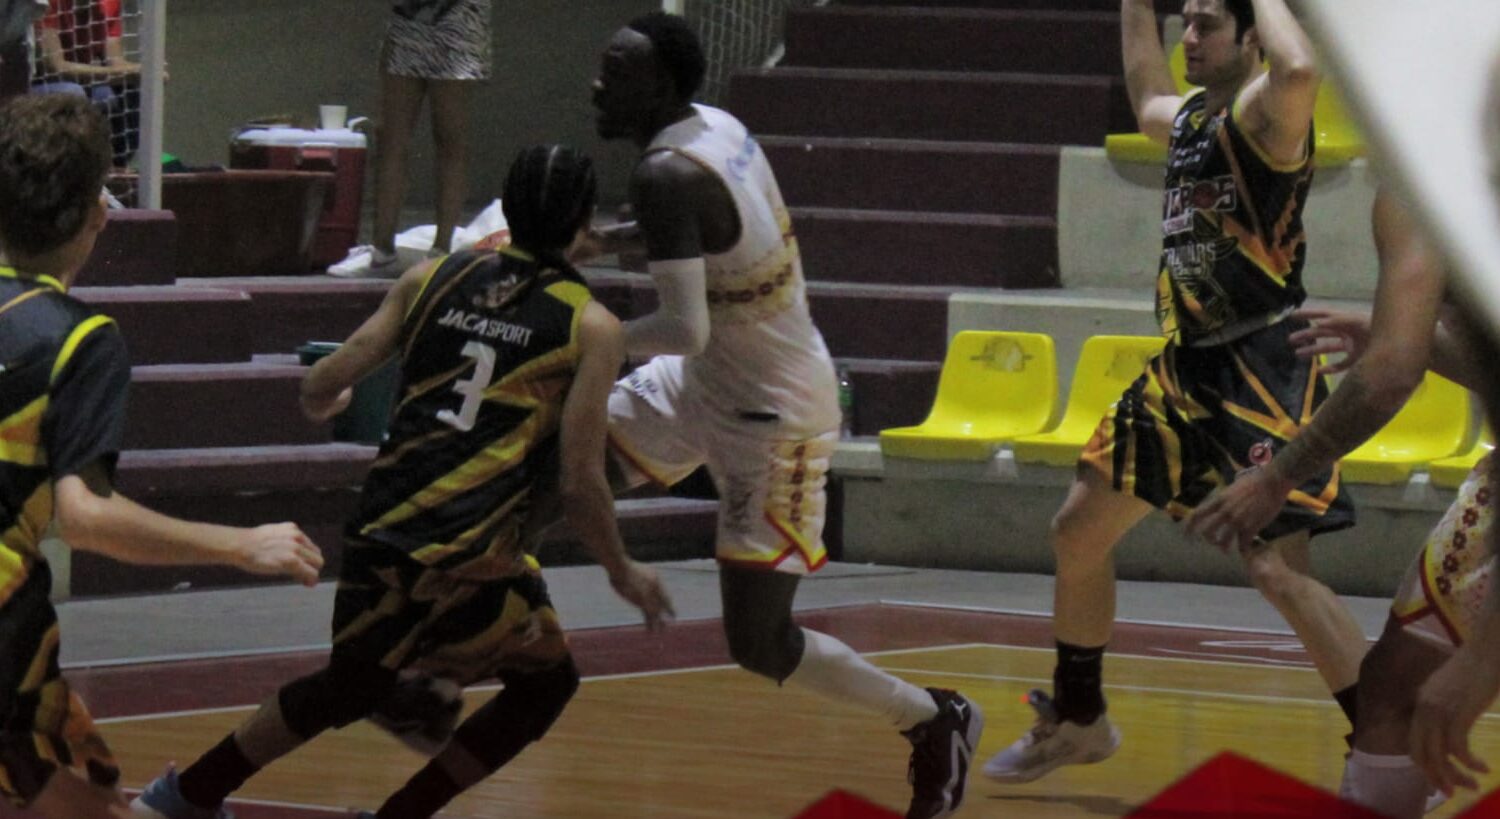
x: 764, y: 354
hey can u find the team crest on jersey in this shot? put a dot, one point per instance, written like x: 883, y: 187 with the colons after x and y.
x: 1219, y: 194
x: 497, y: 294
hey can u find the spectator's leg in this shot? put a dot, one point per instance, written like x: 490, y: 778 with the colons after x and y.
x: 450, y: 128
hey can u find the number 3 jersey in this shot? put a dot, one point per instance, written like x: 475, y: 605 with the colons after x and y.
x: 489, y: 350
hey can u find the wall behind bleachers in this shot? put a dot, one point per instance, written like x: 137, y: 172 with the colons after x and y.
x: 232, y: 60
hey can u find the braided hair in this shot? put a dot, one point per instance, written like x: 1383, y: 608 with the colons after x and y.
x: 548, y: 196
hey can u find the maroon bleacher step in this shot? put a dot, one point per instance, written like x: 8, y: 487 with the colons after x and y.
x: 985, y: 107
x: 916, y: 175
x: 175, y: 406
x: 136, y: 247
x: 952, y: 249
x: 316, y: 486
x: 287, y: 311
x: 906, y: 322
x: 177, y: 325
x: 954, y: 39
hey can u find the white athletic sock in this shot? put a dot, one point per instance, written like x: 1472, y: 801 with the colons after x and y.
x: 1388, y: 784
x: 833, y: 669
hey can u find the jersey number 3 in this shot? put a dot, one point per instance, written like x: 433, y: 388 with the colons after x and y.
x: 472, y: 388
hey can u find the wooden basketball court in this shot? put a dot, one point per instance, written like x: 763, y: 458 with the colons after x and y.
x: 662, y: 728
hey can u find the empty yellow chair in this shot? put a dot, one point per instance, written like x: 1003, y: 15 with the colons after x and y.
x: 1433, y: 425
x: 1337, y: 139
x: 1450, y: 472
x: 993, y: 387
x: 1106, y: 366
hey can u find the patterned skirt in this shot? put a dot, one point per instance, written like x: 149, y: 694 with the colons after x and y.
x: 453, y: 46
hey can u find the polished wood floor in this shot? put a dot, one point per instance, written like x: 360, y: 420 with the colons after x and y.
x: 717, y: 742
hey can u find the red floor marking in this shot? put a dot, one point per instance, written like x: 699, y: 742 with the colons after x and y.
x: 156, y: 688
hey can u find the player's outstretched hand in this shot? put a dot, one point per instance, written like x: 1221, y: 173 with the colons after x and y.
x: 321, y: 409
x: 281, y: 549
x: 641, y: 586
x: 1332, y: 332
x: 1233, y: 515
x: 1447, y: 706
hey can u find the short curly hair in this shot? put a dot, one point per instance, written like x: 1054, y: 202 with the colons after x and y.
x: 54, y: 157
x: 678, y: 49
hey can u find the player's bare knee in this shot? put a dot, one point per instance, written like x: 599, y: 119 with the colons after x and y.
x: 1275, y: 580
x: 1073, y: 547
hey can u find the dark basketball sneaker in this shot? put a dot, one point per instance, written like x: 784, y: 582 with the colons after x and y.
x: 941, y: 750
x: 421, y: 712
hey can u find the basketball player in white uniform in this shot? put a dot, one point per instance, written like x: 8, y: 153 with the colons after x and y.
x: 741, y: 381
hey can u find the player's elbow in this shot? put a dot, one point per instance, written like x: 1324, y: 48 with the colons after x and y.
x: 80, y: 514
x: 695, y: 332
x: 1391, y: 385
x: 1300, y: 71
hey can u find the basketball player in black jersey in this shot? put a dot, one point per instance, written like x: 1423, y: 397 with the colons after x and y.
x: 507, y: 364
x: 64, y: 375
x: 1227, y: 392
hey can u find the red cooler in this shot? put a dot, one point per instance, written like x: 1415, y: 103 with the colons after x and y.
x: 340, y: 151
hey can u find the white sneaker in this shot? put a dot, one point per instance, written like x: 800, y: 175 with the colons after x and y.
x: 1052, y: 743
x: 368, y: 261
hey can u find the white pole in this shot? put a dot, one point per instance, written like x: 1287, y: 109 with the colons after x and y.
x: 673, y: 6
x: 153, y: 66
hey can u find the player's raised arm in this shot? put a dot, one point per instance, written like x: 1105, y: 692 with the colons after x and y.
x: 667, y: 193
x: 1153, y: 94
x: 1277, y: 107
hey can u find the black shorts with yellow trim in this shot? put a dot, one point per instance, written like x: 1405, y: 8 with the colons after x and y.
x: 1198, y: 416
x: 45, y: 725
x: 393, y: 611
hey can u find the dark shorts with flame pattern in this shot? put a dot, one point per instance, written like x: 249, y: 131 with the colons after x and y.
x: 1199, y: 416
x: 45, y: 725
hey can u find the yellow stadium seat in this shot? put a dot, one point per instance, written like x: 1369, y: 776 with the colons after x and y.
x: 1450, y: 472
x: 993, y: 387
x: 1337, y: 140
x: 1106, y: 366
x: 1433, y: 425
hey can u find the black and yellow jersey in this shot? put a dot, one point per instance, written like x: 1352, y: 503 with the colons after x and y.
x: 489, y: 350
x: 64, y: 376
x: 1233, y: 241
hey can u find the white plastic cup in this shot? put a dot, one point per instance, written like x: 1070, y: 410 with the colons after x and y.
x: 333, y: 117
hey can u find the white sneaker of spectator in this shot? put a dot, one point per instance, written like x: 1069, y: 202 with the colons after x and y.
x: 368, y: 261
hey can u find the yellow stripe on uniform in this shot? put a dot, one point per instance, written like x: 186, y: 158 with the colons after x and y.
x: 21, y: 433
x: 490, y: 461
x: 435, y: 552
x: 36, y: 673
x: 12, y: 273
x: 76, y: 338
x: 24, y: 536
